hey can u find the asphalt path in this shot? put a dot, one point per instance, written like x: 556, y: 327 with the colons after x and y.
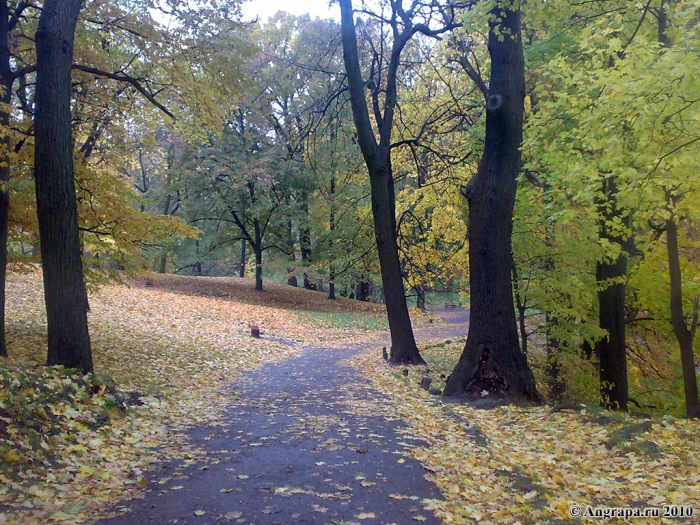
x: 305, y: 441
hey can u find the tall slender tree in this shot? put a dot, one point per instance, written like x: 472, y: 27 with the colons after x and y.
x: 378, y: 160
x: 64, y: 286
x: 377, y: 153
x: 492, y: 359
x: 6, y: 80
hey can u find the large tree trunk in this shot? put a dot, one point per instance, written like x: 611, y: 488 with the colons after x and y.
x: 64, y: 287
x: 378, y: 160
x: 611, y: 276
x: 492, y: 359
x: 6, y: 80
x: 403, y: 344
x: 684, y: 335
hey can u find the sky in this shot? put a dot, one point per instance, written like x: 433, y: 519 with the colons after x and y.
x: 266, y: 8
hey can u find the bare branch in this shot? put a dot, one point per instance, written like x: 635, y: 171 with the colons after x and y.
x: 121, y: 77
x: 473, y: 74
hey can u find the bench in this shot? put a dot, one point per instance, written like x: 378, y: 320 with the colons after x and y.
x: 450, y: 305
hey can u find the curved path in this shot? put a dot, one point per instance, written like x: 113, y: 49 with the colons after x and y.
x: 306, y: 441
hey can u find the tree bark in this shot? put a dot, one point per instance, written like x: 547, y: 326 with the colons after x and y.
x: 684, y: 335
x: 492, y: 360
x: 331, y: 284
x: 257, y: 248
x: 6, y: 81
x: 522, y: 310
x: 331, y: 218
x: 420, y: 297
x: 64, y: 286
x: 305, y: 245
x: 241, y: 268
x: 292, y: 281
x: 362, y: 292
x: 258, y: 269
x: 378, y: 161
x: 611, y: 276
x: 164, y: 258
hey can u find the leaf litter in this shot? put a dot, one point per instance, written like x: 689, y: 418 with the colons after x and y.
x: 72, y: 445
x: 164, y: 350
x: 162, y: 363
x: 515, y: 465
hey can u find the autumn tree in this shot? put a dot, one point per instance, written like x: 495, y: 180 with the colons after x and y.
x: 492, y: 360
x: 611, y: 143
x: 64, y: 286
x: 376, y: 141
x: 6, y: 81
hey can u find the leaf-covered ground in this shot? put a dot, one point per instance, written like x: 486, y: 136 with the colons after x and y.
x: 72, y: 446
x: 305, y: 441
x: 531, y: 465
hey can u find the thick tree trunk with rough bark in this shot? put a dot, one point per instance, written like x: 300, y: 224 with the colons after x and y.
x: 684, y: 335
x: 378, y: 161
x: 611, y: 277
x: 6, y: 81
x: 64, y: 286
x: 492, y: 359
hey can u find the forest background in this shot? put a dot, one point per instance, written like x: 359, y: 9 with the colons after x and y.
x: 211, y: 147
